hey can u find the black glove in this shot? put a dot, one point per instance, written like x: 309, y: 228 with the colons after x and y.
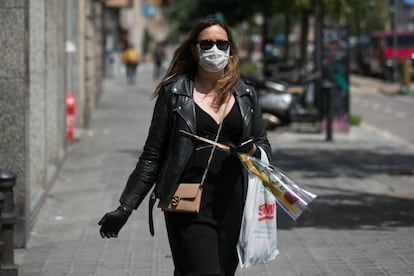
x: 112, y: 222
x: 245, y: 146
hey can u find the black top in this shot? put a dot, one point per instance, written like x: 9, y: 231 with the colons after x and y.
x: 222, y: 189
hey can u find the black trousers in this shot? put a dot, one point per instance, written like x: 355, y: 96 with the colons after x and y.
x: 200, y: 248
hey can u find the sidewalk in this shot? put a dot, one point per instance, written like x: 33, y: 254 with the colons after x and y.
x: 375, y: 85
x: 361, y: 224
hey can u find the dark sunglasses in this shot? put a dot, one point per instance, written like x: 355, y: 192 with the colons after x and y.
x: 207, y: 44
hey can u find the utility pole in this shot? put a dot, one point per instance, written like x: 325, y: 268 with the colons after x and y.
x: 318, y: 51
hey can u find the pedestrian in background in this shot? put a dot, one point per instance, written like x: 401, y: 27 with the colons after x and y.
x: 158, y: 57
x: 200, y: 93
x: 130, y: 58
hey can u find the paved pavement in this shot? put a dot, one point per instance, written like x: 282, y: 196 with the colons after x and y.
x: 366, y: 84
x: 361, y: 224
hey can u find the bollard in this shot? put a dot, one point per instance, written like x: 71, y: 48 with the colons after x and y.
x: 405, y: 76
x: 8, y: 218
x: 327, y: 87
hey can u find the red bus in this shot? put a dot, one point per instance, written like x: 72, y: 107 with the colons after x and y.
x: 384, y: 48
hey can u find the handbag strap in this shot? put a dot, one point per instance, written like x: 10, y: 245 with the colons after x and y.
x: 153, y: 197
x: 214, y: 146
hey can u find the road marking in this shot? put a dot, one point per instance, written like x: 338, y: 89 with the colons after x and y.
x: 401, y: 115
x: 387, y: 135
x: 377, y: 106
x: 404, y: 99
x: 388, y: 110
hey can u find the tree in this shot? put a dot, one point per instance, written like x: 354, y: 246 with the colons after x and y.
x: 361, y: 16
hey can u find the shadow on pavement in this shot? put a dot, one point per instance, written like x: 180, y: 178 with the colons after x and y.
x: 353, y: 211
x: 342, y: 162
x: 338, y: 205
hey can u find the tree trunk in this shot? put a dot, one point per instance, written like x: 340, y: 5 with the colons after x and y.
x: 265, y: 27
x: 286, y: 42
x: 304, y: 39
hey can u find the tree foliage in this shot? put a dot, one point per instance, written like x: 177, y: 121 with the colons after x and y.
x: 361, y: 16
x: 372, y: 13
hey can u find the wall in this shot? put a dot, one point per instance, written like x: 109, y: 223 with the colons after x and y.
x: 35, y: 73
x: 14, y: 101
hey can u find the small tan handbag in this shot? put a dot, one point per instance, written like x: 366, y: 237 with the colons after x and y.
x: 187, y: 197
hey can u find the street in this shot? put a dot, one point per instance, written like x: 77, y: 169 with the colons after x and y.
x: 361, y: 223
x: 72, y: 128
x: 384, y: 110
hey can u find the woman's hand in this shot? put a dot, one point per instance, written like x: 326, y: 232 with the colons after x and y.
x: 245, y: 146
x: 113, y: 221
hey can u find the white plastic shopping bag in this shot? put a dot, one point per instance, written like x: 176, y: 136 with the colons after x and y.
x: 258, y: 235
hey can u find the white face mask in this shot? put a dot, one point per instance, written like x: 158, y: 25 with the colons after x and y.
x: 213, y: 59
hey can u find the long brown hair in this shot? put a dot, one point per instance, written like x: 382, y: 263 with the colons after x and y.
x: 183, y: 61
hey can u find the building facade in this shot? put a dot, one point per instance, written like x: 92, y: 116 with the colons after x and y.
x: 47, y: 48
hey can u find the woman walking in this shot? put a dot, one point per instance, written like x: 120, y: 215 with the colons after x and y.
x: 202, y: 94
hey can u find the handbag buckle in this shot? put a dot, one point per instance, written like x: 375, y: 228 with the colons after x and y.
x: 175, y: 200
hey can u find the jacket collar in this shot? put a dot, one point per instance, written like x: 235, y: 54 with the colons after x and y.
x: 243, y: 89
x: 183, y: 85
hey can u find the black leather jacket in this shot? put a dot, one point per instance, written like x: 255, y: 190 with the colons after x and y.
x: 166, y: 151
